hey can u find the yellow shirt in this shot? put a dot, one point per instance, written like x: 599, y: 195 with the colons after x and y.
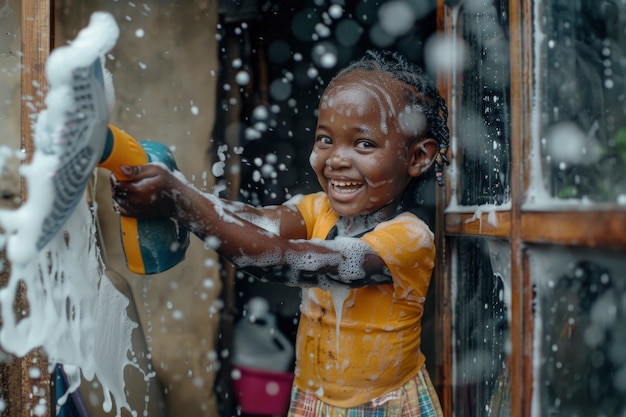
x: 376, y: 347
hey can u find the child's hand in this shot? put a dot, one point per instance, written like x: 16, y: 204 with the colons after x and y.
x: 148, y: 191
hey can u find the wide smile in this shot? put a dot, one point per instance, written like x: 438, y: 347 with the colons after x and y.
x: 344, y: 189
x: 346, y: 185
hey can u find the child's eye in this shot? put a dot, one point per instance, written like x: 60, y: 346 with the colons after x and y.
x: 324, y: 140
x: 365, y: 144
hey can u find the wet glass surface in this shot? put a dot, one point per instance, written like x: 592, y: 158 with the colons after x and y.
x: 481, y: 327
x: 483, y: 126
x: 582, y: 114
x: 10, y: 103
x: 10, y: 41
x: 580, y: 365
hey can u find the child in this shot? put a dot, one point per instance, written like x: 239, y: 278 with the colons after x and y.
x: 363, y: 260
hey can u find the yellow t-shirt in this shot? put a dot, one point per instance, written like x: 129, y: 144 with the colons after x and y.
x: 376, y: 347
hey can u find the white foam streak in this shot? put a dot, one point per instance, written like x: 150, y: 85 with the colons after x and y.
x: 93, y: 41
x: 339, y: 296
x: 74, y: 313
x: 383, y: 112
x: 22, y: 227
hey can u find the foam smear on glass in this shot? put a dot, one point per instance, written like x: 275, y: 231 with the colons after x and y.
x: 73, y: 311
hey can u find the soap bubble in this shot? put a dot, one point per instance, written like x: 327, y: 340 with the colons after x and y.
x: 272, y: 388
x: 335, y: 11
x: 260, y: 113
x: 280, y: 89
x: 566, y: 142
x: 324, y: 54
x: 235, y: 374
x: 380, y: 38
x: 444, y: 54
x: 242, y: 78
x: 348, y: 32
x: 396, y: 17
x: 322, y: 30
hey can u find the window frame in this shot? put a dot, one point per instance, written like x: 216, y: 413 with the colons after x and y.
x: 21, y: 390
x: 597, y: 226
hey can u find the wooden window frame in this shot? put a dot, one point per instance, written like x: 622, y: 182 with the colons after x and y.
x: 22, y: 391
x: 598, y: 226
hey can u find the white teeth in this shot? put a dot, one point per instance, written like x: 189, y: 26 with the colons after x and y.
x: 337, y: 183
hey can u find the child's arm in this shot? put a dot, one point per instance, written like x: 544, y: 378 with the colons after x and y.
x: 268, y: 243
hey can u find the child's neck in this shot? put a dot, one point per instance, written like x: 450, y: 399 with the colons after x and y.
x: 353, y: 226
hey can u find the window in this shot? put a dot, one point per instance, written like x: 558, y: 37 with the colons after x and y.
x: 480, y: 339
x: 534, y: 210
x: 581, y: 90
x: 581, y: 361
x: 477, y: 210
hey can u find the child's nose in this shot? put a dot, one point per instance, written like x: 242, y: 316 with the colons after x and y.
x: 338, y: 160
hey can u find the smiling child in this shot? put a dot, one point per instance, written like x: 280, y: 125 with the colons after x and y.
x: 363, y: 259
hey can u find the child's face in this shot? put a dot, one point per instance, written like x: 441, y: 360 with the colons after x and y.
x: 363, y: 156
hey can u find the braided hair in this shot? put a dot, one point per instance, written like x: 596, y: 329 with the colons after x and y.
x: 423, y: 95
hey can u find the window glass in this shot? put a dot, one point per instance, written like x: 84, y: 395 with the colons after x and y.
x: 10, y: 72
x: 579, y: 331
x: 481, y: 322
x: 10, y: 104
x: 483, y: 120
x: 582, y: 78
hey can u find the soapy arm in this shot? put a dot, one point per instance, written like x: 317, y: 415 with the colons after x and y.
x: 269, y: 243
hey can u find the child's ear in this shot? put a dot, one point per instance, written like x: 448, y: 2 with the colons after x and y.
x: 422, y: 155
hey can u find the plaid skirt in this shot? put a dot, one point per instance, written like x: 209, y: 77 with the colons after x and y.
x: 416, y: 398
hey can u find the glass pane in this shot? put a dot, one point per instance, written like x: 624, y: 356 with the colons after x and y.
x: 10, y: 103
x: 582, y: 78
x: 483, y: 125
x: 579, y: 332
x: 481, y: 282
x: 10, y: 53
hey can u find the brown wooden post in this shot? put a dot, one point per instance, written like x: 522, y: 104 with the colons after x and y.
x: 37, y: 37
x: 443, y: 309
x: 27, y: 392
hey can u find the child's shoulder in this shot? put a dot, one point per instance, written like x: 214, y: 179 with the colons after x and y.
x: 401, y: 239
x: 314, y: 202
x: 406, y: 223
x: 317, y: 214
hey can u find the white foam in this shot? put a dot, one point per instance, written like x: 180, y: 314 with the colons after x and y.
x: 74, y: 312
